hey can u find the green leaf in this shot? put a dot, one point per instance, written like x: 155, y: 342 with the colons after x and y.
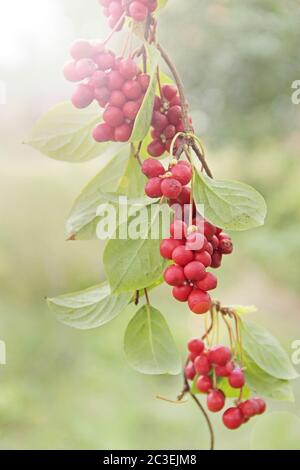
x: 230, y: 392
x: 149, y: 346
x: 276, y: 431
x: 132, y: 264
x: 89, y: 308
x: 229, y: 204
x: 144, y: 117
x: 65, y: 133
x: 262, y: 383
x: 82, y: 221
x: 267, y: 352
x: 243, y: 309
x: 133, y: 181
x: 161, y: 4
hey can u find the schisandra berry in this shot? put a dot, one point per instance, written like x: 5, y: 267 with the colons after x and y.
x: 215, y: 401
x: 233, y: 418
x: 117, y: 98
x: 204, y: 384
x: 209, y: 282
x: 182, y: 293
x: 195, y: 241
x: 131, y: 109
x: 70, y: 72
x: 168, y: 246
x: 202, y: 365
x: 182, y: 173
x: 122, y: 133
x: 138, y: 11
x: 174, y: 275
x: 171, y: 188
x: 153, y: 188
x: 237, y: 378
x: 178, y: 229
x: 152, y: 168
x: 262, y: 405
x: 189, y: 371
x: 156, y: 148
x: 249, y: 408
x: 83, y: 96
x: 194, y: 271
x: 204, y: 258
x: 224, y: 371
x: 199, y: 301
x: 182, y: 256
x: 113, y: 116
x: 81, y: 49
x: 103, y: 133
x: 128, y: 68
x: 196, y: 346
x: 219, y: 355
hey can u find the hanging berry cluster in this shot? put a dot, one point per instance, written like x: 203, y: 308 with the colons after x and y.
x: 116, y: 10
x: 205, y: 367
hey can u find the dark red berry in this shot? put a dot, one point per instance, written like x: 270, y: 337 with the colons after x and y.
x: 219, y: 355
x: 202, y: 365
x: 204, y: 384
x: 216, y: 260
x: 132, y: 89
x: 153, y: 188
x: 128, y: 68
x: 123, y: 133
x: 171, y: 188
x: 233, y: 418
x: 113, y: 116
x: 204, y: 258
x: 182, y: 256
x: 159, y: 121
x: 189, y: 371
x: 117, y: 98
x: 182, y: 173
x: 168, y: 246
x: 131, y: 109
x: 249, y: 408
x: 178, y: 230
x: 174, y: 276
x: 215, y: 400
x: 174, y: 115
x: 237, y: 378
x: 209, y: 230
x: 225, y: 246
x: 103, y: 133
x: 199, y: 301
x: 152, y: 168
x: 209, y: 282
x: 196, y: 346
x: 224, y: 371
x: 169, y: 92
x: 262, y: 405
x: 156, y: 148
x: 181, y: 293
x: 194, y: 271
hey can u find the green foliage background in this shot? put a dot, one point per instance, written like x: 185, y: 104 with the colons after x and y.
x: 63, y: 388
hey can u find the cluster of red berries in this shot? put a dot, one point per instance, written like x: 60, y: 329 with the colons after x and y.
x: 166, y: 121
x: 169, y: 184
x: 138, y: 10
x: 193, y: 250
x: 116, y: 83
x: 203, y: 365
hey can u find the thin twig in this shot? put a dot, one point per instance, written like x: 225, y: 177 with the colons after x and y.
x: 211, y: 431
x: 201, y: 157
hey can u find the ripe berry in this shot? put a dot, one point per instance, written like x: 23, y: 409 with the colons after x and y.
x: 202, y: 365
x: 182, y: 173
x: 185, y: 196
x: 189, y: 371
x: 204, y: 384
x: 128, y: 68
x: 209, y: 230
x: 174, y: 115
x: 216, y: 260
x: 81, y: 49
x: 249, y: 408
x: 156, y: 148
x: 181, y: 293
x: 196, y: 346
x: 115, y: 80
x: 262, y: 405
x: 199, y: 301
x: 131, y: 109
x: 219, y: 355
x: 113, y: 116
x: 233, y: 418
x: 123, y: 133
x: 159, y: 121
x: 138, y: 11
x: 204, y: 258
x: 178, y: 229
x: 105, y: 61
x: 209, y: 282
x: 98, y: 79
x: 144, y: 81
x: 195, y: 241
x: 169, y: 92
x: 153, y: 188
x: 225, y: 246
x: 182, y: 256
x: 215, y: 401
x: 85, y: 68
x: 169, y: 132
x: 115, y: 9
x: 224, y: 371
x: 70, y: 72
x: 237, y: 378
x: 152, y: 168
x: 174, y: 275
x: 171, y: 188
x: 82, y: 96
x: 103, y: 133
x: 117, y: 99
x: 194, y: 271
x: 132, y: 89
x: 168, y: 246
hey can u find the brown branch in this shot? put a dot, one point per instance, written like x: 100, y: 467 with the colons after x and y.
x: 201, y: 157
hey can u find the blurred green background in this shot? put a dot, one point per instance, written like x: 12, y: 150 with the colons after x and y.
x: 65, y: 389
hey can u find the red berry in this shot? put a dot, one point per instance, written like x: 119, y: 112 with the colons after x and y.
x: 181, y: 293
x: 102, y: 95
x: 168, y: 246
x: 123, y: 133
x: 70, y: 72
x: 219, y: 355
x: 152, y: 168
x: 117, y: 99
x: 196, y: 346
x: 202, y: 365
x: 175, y: 101
x: 233, y: 418
x: 103, y: 133
x: 194, y: 271
x: 199, y: 301
x: 169, y: 92
x: 115, y: 80
x: 216, y: 260
x: 174, y: 276
x: 153, y: 188
x: 144, y: 81
x: 204, y: 258
x: 159, y: 121
x: 174, y: 115
x: 156, y: 149
x: 195, y: 241
x: 105, y: 61
x: 85, y: 68
x: 132, y: 89
x: 189, y: 371
x: 249, y: 408
x: 261, y: 404
x: 204, y: 384
x: 209, y: 248
x: 169, y: 132
x: 83, y: 96
x: 182, y: 256
x: 171, y: 188
x: 215, y: 400
x: 182, y: 173
x: 128, y: 68
x: 237, y: 378
x: 178, y: 229
x: 138, y: 11
x: 81, y: 49
x: 209, y: 230
x: 225, y: 246
x: 113, y: 116
x: 224, y: 371
x: 98, y: 79
x: 152, y: 5
x: 131, y: 109
x: 209, y: 282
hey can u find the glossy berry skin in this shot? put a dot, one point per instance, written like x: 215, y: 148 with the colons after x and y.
x: 216, y: 260
x: 196, y: 346
x: 171, y: 188
x: 178, y: 229
x: 167, y: 247
x: 132, y: 89
x: 194, y: 271
x: 233, y: 418
x: 85, y: 68
x: 169, y: 92
x: 202, y: 365
x: 204, y: 384
x: 122, y: 133
x: 261, y: 404
x: 156, y: 149
x: 174, y: 276
x: 189, y: 371
x: 182, y: 256
x: 128, y: 68
x: 225, y: 246
x: 181, y: 293
x: 153, y: 188
x: 215, y: 401
x: 224, y: 371
x: 219, y: 355
x: 249, y: 408
x: 152, y: 168
x: 182, y: 173
x: 204, y: 258
x: 117, y: 99
x: 83, y: 96
x: 113, y: 116
x: 209, y: 282
x: 199, y: 302
x: 103, y: 133
x: 237, y: 378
